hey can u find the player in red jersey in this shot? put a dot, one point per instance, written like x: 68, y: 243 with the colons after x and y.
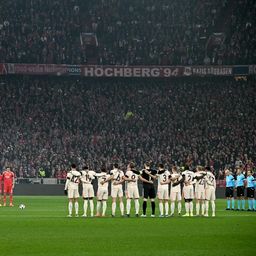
x: 8, y: 179
x: 1, y: 188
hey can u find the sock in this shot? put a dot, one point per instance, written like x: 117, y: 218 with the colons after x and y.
x: 243, y: 204
x: 179, y: 207
x: 11, y: 198
x: 254, y: 204
x: 206, y: 207
x: 228, y: 203
x: 161, y: 208
x: 187, y: 207
x: 85, y: 206
x: 113, y: 208
x: 153, y: 207
x: 128, y: 205
x: 98, y: 207
x: 76, y: 207
x: 250, y: 204
x: 213, y: 207
x: 144, y: 207
x: 91, y: 207
x: 122, y: 208
x: 238, y: 204
x: 191, y: 208
x: 203, y: 207
x: 70, y: 206
x: 104, y: 207
x: 137, y: 206
x: 197, y: 208
x: 233, y: 203
x: 166, y: 208
x: 172, y: 207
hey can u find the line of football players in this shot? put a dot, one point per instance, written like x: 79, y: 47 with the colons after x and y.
x: 243, y: 184
x: 199, y: 184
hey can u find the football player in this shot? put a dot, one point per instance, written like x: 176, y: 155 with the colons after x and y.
x: 163, y: 190
x: 210, y: 188
x: 8, y: 180
x: 132, y: 191
x: 88, y: 193
x: 102, y: 193
x: 71, y: 189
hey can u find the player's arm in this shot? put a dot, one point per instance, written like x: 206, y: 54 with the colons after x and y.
x: 126, y: 178
x: 151, y: 175
x: 119, y: 182
x: 111, y: 177
x: 199, y: 177
x: 176, y: 183
x: 66, y: 185
x: 145, y: 181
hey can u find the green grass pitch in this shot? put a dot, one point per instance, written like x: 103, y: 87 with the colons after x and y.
x: 43, y: 229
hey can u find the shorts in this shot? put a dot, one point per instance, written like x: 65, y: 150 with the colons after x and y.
x: 132, y: 192
x: 175, y: 196
x: 163, y: 193
x: 250, y: 192
x: 73, y: 193
x: 117, y: 191
x: 102, y: 194
x: 229, y: 192
x: 210, y: 194
x: 188, y: 192
x: 240, y: 191
x: 200, y: 194
x: 88, y: 191
x: 149, y: 192
x: 8, y: 188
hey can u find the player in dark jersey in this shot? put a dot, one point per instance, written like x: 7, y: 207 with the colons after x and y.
x: 147, y: 177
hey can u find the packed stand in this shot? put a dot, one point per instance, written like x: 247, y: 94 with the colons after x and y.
x: 145, y: 32
x: 51, y: 122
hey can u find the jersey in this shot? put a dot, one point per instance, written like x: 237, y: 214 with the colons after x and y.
x: 240, y: 180
x: 117, y: 176
x: 87, y: 177
x: 177, y: 177
x: 131, y: 175
x: 210, y: 186
x: 102, y: 177
x: 230, y: 181
x: 200, y: 184
x: 73, y: 179
x: 163, y: 177
x: 8, y: 177
x: 188, y: 176
x: 188, y: 189
x: 250, y: 182
x: 148, y: 177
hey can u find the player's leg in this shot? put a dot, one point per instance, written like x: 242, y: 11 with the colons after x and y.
x: 179, y: 202
x: 104, y: 202
x: 121, y: 203
x: 160, y: 199
x: 114, y: 196
x: 145, y: 198
x: 85, y: 198
x: 213, y: 208
x: 91, y: 196
x: 172, y: 199
x: 191, y: 197
x: 136, y: 197
x: 113, y: 206
x: 152, y: 196
x: 186, y: 198
x: 203, y: 196
x: 238, y: 198
x: 70, y: 207
x: 98, y: 207
x: 76, y: 206
x: 166, y: 202
x: 128, y: 206
x: 5, y: 194
x: 197, y: 204
x: 227, y: 194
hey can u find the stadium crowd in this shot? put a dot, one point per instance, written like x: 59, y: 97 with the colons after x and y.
x: 50, y: 122
x: 145, y: 32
